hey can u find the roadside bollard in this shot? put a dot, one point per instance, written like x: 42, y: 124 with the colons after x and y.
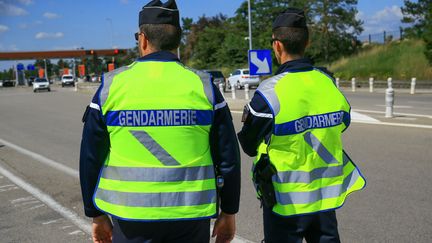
x: 337, y: 83
x: 389, y: 102
x: 390, y: 83
x: 413, y: 85
x: 76, y: 86
x: 221, y: 89
x: 353, y: 84
x: 247, y: 91
x: 233, y: 94
x: 371, y: 84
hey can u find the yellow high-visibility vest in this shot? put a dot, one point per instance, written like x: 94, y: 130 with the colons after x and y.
x: 313, y: 172
x: 159, y: 166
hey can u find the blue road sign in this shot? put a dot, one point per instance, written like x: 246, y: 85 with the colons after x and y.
x: 20, y: 66
x: 260, y: 62
x: 30, y: 67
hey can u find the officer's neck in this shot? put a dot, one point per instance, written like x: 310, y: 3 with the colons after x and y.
x: 148, y: 51
x: 285, y: 57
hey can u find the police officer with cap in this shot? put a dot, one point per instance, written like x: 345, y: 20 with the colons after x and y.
x: 159, y: 153
x: 293, y: 125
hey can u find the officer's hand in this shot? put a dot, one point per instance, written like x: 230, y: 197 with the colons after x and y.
x: 102, y: 229
x: 224, y: 228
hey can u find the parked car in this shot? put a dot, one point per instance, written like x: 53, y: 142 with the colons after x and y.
x: 240, y: 77
x: 217, y: 78
x: 8, y: 83
x: 31, y: 80
x: 41, y: 84
x: 67, y: 80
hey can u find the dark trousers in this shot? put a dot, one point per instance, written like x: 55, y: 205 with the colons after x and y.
x: 319, y: 228
x: 187, y: 231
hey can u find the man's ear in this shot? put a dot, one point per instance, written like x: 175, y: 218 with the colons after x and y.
x: 279, y: 48
x: 144, y: 43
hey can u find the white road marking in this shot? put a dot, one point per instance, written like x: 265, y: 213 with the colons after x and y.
x: 43, y: 159
x: 65, y: 212
x: 396, y: 124
x: 67, y: 226
x: 406, y: 118
x: 51, y: 221
x: 355, y: 116
x: 34, y: 207
x: 398, y: 106
x: 7, y: 186
x: 76, y: 232
x: 395, y: 113
x: 22, y: 199
x: 8, y: 189
x: 26, y: 203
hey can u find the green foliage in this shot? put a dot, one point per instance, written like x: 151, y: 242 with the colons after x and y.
x: 419, y: 15
x: 7, y: 74
x: 400, y: 60
x: 221, y: 42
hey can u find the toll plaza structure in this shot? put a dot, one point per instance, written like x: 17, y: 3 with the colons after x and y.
x: 63, y: 54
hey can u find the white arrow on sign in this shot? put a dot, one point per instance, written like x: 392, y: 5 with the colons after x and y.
x: 263, y: 66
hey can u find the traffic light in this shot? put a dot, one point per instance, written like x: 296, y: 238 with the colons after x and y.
x: 116, y: 51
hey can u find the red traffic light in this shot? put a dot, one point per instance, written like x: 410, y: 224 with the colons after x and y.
x: 116, y: 51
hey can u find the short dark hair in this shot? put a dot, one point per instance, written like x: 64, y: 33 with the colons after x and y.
x: 294, y: 40
x: 162, y: 37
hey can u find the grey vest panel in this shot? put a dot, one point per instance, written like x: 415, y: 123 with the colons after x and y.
x: 108, y: 79
x: 267, y: 89
x: 206, y: 80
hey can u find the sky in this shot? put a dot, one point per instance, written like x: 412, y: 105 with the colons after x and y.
x: 34, y: 25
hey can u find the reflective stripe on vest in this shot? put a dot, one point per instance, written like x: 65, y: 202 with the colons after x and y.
x: 313, y: 172
x: 159, y: 116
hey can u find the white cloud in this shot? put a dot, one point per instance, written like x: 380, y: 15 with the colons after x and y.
x: 3, y: 28
x: 387, y: 19
x: 12, y: 47
x: 8, y: 9
x: 45, y: 35
x: 50, y: 15
x: 23, y: 26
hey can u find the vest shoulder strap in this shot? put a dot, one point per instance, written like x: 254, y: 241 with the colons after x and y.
x: 267, y: 91
x: 107, y: 81
x: 207, y: 83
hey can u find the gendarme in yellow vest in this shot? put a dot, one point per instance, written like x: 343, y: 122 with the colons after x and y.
x: 313, y: 172
x: 159, y: 166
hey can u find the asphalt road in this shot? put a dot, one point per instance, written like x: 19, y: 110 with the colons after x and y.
x: 396, y: 205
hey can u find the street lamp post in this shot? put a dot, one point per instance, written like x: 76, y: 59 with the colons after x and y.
x: 250, y: 24
x: 46, y: 70
x: 112, y: 35
x: 112, y: 31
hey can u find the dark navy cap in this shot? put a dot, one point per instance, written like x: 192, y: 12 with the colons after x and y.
x: 156, y: 12
x: 292, y: 17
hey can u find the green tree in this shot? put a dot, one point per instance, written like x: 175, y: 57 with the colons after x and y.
x: 419, y: 15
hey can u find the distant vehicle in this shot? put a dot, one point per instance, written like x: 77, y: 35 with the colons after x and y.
x: 41, y: 84
x: 31, y: 80
x: 217, y: 78
x: 67, y: 80
x: 240, y: 77
x: 8, y: 83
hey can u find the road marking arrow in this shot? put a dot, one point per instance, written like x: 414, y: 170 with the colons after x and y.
x: 263, y: 66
